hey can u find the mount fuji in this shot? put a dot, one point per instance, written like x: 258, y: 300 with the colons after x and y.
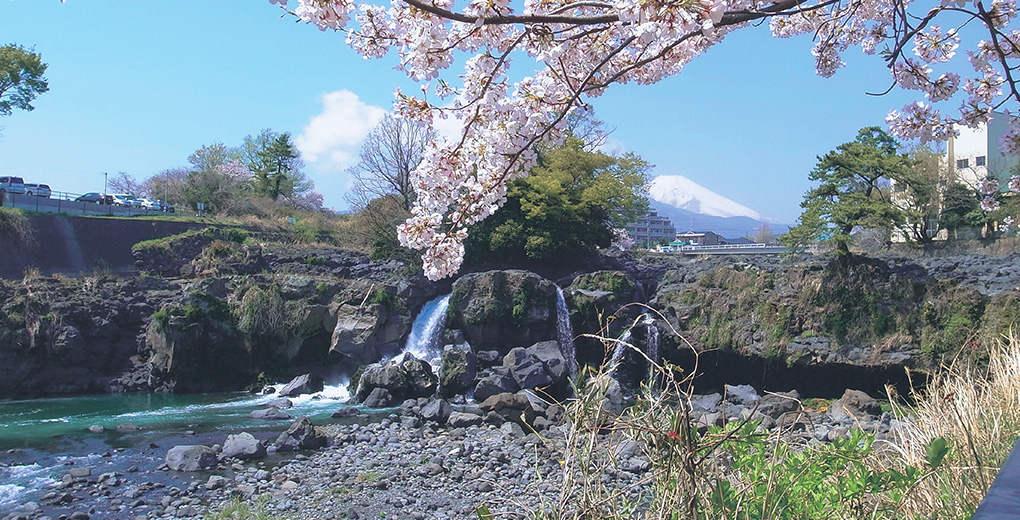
x: 693, y: 207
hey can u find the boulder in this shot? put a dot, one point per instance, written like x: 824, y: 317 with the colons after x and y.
x: 269, y: 413
x: 191, y: 458
x: 742, y: 394
x: 243, y: 446
x: 281, y: 403
x: 403, y: 378
x: 462, y: 420
x: 510, y: 407
x: 301, y: 435
x: 438, y: 411
x: 777, y: 404
x: 303, y: 384
x: 366, y: 333
x: 497, y: 381
x: 854, y: 404
x: 379, y: 398
x: 457, y: 370
x: 526, y: 369
x: 499, y: 310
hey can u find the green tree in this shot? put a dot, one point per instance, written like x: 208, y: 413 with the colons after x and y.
x: 21, y: 78
x: 854, y: 191
x: 278, y: 169
x: 569, y: 204
x: 960, y: 208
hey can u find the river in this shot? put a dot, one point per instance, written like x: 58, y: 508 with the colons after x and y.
x: 41, y: 438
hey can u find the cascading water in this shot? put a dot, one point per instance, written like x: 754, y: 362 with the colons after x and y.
x: 565, y: 333
x: 651, y: 338
x: 427, y: 331
x: 621, y: 347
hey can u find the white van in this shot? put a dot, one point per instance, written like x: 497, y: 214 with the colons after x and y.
x: 12, y: 185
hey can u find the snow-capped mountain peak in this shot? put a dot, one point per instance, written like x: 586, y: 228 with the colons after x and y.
x: 680, y: 192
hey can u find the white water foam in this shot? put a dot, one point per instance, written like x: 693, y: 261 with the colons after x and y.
x: 19, y: 480
x: 426, y: 332
x: 565, y: 333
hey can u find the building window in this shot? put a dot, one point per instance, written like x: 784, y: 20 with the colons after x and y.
x: 962, y: 163
x: 979, y: 160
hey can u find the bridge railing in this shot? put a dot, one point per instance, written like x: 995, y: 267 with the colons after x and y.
x: 723, y: 246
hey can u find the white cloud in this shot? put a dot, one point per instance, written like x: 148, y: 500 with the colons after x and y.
x: 331, y: 139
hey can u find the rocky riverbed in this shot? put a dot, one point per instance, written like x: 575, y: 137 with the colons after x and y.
x: 426, y: 459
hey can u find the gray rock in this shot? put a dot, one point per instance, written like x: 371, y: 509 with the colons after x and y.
x: 303, y: 384
x: 243, y: 446
x: 706, y: 403
x: 301, y: 435
x: 282, y: 404
x: 742, y: 394
x: 497, y: 381
x: 457, y: 370
x: 777, y: 404
x: 854, y: 404
x: 438, y: 411
x: 463, y: 420
x: 379, y: 398
x: 527, y: 369
x: 191, y: 458
x: 269, y: 413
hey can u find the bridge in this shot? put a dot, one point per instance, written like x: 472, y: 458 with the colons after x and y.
x: 61, y: 202
x: 733, y: 249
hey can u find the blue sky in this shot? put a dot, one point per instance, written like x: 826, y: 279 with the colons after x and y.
x: 137, y: 86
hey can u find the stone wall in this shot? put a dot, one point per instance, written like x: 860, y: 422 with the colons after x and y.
x: 72, y: 245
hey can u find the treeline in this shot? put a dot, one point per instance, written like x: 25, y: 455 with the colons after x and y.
x: 264, y: 172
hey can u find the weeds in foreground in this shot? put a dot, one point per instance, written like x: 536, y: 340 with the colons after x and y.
x: 977, y: 410
x: 238, y: 509
x: 939, y: 465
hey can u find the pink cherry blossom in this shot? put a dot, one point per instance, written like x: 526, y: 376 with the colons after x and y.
x: 573, y: 50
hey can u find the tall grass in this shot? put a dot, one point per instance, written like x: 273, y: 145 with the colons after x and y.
x: 939, y: 464
x: 977, y: 410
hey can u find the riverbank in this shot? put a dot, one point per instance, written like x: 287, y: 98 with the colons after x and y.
x: 404, y: 463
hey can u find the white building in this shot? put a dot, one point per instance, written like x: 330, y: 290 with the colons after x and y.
x: 975, y: 154
x: 651, y: 229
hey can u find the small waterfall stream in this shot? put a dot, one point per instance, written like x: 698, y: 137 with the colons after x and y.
x: 565, y: 333
x: 427, y: 331
x: 651, y: 338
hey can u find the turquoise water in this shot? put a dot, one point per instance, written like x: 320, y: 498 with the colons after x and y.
x: 46, y: 423
x: 39, y: 438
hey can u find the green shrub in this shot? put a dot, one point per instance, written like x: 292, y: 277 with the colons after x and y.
x: 236, y: 235
x: 262, y: 311
x: 15, y: 226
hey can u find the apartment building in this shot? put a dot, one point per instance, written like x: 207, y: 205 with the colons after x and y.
x: 651, y: 229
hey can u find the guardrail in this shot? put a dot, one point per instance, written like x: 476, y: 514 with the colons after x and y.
x: 63, y: 203
x: 724, y: 246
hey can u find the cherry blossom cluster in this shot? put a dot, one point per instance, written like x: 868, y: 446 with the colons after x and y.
x: 575, y: 49
x: 990, y: 189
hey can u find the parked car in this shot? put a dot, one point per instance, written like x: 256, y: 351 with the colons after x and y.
x: 149, y: 204
x: 10, y: 184
x: 165, y: 206
x: 39, y: 190
x: 96, y: 197
x: 126, y: 199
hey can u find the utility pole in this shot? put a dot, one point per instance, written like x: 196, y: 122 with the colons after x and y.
x: 105, y: 176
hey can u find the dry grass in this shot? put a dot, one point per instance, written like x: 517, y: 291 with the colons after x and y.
x: 977, y: 410
x: 740, y: 473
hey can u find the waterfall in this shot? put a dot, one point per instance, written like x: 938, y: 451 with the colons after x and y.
x: 565, y: 333
x: 427, y: 331
x: 652, y: 338
x: 621, y: 347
